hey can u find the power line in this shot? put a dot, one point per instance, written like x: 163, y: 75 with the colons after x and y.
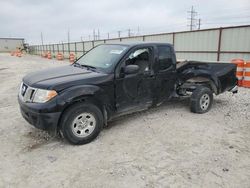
x: 228, y: 11
x: 228, y: 17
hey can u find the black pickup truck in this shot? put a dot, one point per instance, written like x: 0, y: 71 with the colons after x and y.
x: 111, y: 80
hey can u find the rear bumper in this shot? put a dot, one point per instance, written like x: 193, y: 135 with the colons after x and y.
x: 42, y: 120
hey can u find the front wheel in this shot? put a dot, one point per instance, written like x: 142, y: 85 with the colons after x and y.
x: 201, y: 100
x: 81, y: 123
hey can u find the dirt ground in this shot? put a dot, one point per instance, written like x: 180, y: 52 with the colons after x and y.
x: 166, y: 146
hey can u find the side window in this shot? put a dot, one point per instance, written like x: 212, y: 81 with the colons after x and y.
x: 140, y: 57
x: 165, y: 57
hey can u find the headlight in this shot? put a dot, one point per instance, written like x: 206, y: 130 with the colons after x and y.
x: 42, y: 95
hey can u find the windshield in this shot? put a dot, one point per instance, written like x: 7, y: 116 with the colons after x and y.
x: 103, y: 57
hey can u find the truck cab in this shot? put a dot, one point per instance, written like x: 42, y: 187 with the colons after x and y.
x: 145, y: 76
x: 111, y: 80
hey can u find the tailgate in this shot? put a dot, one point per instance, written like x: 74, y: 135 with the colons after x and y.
x: 226, y: 73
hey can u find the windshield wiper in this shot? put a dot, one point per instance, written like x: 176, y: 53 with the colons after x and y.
x: 88, y: 66
x: 84, y: 65
x: 77, y: 64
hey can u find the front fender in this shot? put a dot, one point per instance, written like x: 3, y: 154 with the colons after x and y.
x: 90, y: 93
x: 76, y: 93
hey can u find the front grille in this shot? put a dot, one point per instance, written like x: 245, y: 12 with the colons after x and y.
x: 26, y: 92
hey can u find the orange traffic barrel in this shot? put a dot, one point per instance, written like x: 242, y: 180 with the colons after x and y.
x: 246, y: 78
x: 240, y: 69
x: 44, y: 55
x: 19, y: 54
x: 71, y: 58
x: 49, y: 55
x: 59, y: 56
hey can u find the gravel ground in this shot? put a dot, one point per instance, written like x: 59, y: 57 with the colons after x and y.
x: 166, y: 146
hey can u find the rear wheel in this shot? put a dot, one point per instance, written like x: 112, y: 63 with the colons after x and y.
x: 81, y: 123
x: 201, y: 100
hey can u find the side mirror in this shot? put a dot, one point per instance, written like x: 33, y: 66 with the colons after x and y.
x: 131, y: 69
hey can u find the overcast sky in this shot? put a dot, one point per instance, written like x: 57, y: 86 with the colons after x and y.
x: 28, y: 18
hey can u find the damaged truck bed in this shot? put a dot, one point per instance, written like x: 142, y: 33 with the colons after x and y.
x: 219, y: 77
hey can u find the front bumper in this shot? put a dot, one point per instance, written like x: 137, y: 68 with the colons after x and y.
x: 40, y: 116
x: 234, y: 89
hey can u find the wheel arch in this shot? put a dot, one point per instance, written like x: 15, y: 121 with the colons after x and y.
x: 206, y: 81
x: 85, y: 94
x: 200, y: 74
x: 193, y: 82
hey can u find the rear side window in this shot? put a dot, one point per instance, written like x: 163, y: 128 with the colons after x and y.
x: 165, y: 57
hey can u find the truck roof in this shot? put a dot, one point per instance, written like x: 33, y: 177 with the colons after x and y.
x: 132, y: 44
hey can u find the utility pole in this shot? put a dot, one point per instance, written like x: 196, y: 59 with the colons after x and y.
x: 129, y: 33
x: 68, y: 36
x: 192, y: 18
x: 98, y: 35
x: 93, y: 34
x: 199, y: 24
x: 119, y: 34
x: 42, y: 40
x: 42, y: 37
x: 68, y: 41
x: 138, y: 30
x: 108, y: 35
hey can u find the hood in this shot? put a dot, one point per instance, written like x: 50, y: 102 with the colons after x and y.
x: 62, y: 77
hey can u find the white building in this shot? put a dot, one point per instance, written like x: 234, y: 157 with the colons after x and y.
x: 11, y: 44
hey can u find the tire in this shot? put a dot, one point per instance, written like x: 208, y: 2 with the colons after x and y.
x: 81, y: 123
x: 201, y: 100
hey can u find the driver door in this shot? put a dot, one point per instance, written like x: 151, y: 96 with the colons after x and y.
x: 133, y: 91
